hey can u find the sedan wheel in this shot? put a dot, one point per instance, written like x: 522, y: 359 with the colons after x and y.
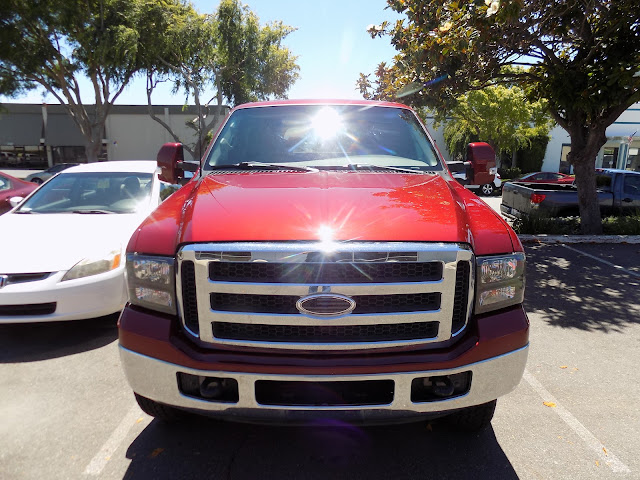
x: 487, y: 189
x: 37, y: 180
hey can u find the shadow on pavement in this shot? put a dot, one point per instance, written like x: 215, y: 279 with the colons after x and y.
x: 573, y: 291
x: 204, y: 448
x: 32, y: 342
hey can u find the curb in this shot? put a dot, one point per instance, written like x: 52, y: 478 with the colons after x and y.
x: 551, y: 239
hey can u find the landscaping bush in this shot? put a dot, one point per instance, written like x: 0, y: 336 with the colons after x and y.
x: 531, y: 159
x: 543, y: 224
x: 510, y: 173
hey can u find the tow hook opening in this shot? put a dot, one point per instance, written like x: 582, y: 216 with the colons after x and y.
x: 212, y: 389
x: 440, y: 387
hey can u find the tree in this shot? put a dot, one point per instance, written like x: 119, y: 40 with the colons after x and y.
x: 581, y: 56
x: 228, y: 52
x: 499, y: 115
x: 53, y: 44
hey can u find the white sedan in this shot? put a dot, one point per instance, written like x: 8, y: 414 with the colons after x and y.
x: 62, y: 248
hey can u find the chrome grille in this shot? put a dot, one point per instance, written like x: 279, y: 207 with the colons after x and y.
x: 246, y: 293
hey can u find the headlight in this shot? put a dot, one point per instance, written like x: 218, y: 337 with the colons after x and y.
x: 94, y: 265
x: 151, y: 282
x: 500, y: 282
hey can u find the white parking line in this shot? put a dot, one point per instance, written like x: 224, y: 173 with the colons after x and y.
x: 587, y: 437
x: 629, y: 272
x: 98, y: 462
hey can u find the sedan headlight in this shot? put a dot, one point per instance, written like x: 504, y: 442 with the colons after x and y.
x: 500, y: 282
x: 151, y: 282
x: 94, y: 265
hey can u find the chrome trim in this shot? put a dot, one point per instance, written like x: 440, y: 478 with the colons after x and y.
x: 491, y: 378
x: 449, y: 254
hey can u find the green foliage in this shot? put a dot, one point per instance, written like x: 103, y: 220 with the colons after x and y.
x: 541, y: 224
x: 531, y: 159
x: 51, y: 44
x: 582, y: 57
x: 253, y: 62
x: 510, y: 173
x: 229, y: 51
x: 499, y: 115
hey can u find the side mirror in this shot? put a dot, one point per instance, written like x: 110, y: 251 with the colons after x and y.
x: 172, y: 165
x: 15, y: 201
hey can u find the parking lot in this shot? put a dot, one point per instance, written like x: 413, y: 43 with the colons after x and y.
x: 66, y: 410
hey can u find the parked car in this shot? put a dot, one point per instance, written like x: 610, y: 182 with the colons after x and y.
x: 618, y: 192
x: 62, y: 248
x: 41, y: 177
x: 546, y: 177
x: 323, y: 264
x: 12, y: 187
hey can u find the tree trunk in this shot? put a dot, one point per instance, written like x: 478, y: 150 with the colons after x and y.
x: 93, y: 145
x: 585, y: 145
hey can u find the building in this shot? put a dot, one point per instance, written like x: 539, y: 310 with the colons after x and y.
x: 622, y: 149
x: 39, y: 136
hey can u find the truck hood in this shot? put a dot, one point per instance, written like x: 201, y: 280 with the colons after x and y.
x: 39, y: 243
x: 340, y: 206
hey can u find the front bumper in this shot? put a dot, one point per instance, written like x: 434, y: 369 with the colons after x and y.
x: 491, y: 378
x: 153, y: 354
x: 88, y: 297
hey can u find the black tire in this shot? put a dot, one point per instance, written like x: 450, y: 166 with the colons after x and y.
x: 160, y: 411
x: 37, y: 180
x: 487, y: 189
x: 473, y: 419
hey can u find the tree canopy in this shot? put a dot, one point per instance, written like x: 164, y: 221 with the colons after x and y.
x: 52, y: 44
x: 500, y: 115
x: 581, y: 56
x: 229, y: 52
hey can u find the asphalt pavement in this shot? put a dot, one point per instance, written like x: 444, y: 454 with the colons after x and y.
x: 66, y: 410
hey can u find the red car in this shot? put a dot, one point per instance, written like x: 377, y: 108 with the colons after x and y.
x: 13, y: 187
x: 546, y: 177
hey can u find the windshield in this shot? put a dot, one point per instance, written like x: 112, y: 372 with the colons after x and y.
x: 99, y: 192
x: 324, y: 136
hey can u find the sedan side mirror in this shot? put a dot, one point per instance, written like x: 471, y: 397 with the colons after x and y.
x: 15, y: 201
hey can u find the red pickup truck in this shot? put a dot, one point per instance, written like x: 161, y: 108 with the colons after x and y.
x: 322, y: 263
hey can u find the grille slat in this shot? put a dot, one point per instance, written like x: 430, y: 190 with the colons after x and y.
x: 461, y: 296
x: 189, y: 298
x: 286, y: 304
x: 325, y: 273
x: 325, y: 333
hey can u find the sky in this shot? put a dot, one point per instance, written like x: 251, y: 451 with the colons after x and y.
x: 331, y: 42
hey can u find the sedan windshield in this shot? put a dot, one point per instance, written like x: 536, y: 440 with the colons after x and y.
x: 98, y: 192
x: 324, y: 136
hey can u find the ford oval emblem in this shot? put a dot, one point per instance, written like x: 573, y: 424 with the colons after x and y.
x: 325, y: 305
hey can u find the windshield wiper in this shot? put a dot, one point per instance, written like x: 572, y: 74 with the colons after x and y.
x: 262, y: 166
x: 91, y: 211
x: 369, y: 166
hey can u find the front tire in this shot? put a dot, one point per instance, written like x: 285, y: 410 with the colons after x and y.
x: 473, y: 419
x: 487, y: 189
x: 160, y: 411
x: 37, y: 181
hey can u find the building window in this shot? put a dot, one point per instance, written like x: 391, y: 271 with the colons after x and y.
x: 633, y: 160
x: 565, y: 166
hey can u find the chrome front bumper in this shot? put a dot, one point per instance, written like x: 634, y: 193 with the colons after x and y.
x: 157, y: 380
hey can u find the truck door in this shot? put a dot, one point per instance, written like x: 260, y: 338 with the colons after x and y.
x: 630, y: 199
